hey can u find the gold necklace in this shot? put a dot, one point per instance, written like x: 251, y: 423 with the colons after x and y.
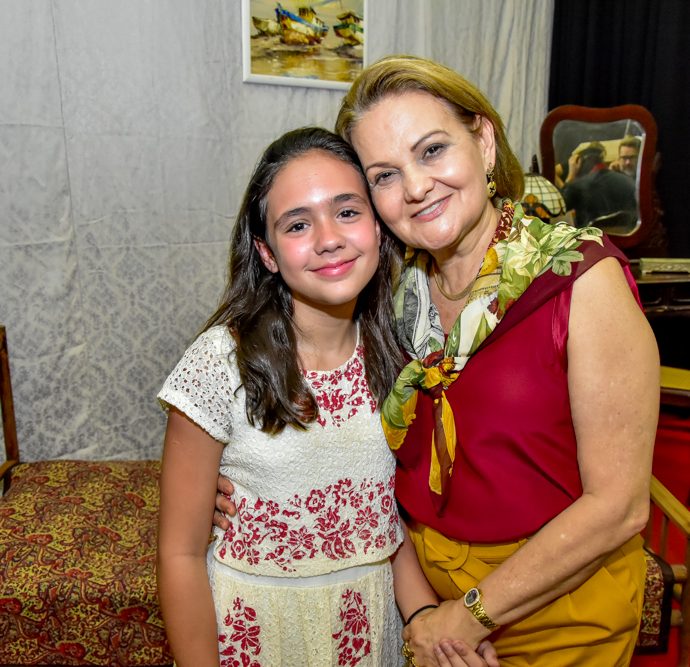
x: 454, y: 297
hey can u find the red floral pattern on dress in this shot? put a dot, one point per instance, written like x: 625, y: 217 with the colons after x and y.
x: 354, y: 640
x: 372, y: 522
x: 334, y: 406
x: 242, y: 642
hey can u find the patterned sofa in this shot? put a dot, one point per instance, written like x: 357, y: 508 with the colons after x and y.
x: 77, y: 565
x: 77, y: 558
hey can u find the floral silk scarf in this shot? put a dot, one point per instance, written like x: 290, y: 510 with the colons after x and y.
x: 522, y: 249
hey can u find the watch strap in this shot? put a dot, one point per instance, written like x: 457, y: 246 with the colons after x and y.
x: 473, y: 602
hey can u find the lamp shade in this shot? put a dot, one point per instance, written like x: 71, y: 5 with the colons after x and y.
x: 542, y: 199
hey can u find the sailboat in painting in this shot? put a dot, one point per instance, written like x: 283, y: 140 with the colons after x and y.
x: 267, y: 27
x: 350, y: 28
x: 299, y: 46
x: 302, y: 28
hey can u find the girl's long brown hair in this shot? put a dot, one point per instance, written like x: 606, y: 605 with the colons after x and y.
x: 257, y: 305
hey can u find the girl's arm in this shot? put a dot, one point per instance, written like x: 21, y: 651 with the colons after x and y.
x: 613, y: 379
x: 412, y: 590
x: 191, y: 459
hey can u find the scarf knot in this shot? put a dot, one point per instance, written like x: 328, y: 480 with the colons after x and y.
x: 439, y: 372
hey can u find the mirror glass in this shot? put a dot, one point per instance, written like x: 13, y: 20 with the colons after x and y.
x: 597, y: 168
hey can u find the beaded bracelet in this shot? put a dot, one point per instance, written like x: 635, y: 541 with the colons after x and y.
x: 421, y: 609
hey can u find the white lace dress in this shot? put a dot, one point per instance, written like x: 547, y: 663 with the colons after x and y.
x: 301, y: 577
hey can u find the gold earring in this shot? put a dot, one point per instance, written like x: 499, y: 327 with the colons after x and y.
x: 490, y: 182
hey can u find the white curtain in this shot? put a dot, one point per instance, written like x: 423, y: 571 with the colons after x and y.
x: 126, y: 139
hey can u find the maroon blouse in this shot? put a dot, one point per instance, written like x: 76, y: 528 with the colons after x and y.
x: 516, y: 460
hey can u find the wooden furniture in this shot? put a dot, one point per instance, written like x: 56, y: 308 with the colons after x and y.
x: 665, y: 294
x: 567, y: 127
x: 669, y: 514
x: 668, y: 511
x: 675, y: 387
x: 664, y: 286
x: 77, y: 557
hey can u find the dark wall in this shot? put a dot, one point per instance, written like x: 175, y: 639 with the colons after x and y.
x: 611, y: 52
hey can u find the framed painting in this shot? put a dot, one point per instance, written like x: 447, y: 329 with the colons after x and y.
x: 300, y: 43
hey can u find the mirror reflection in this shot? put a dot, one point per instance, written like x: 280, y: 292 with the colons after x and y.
x: 597, y: 169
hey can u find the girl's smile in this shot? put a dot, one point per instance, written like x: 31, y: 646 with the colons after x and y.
x: 321, y: 232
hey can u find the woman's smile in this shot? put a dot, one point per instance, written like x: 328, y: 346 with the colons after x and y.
x: 425, y: 165
x: 433, y: 210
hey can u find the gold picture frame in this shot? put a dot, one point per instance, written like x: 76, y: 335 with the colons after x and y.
x: 292, y: 43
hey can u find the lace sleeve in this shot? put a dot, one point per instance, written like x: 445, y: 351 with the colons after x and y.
x: 203, y: 383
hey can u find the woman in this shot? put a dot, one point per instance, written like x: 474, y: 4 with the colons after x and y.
x: 286, y: 375
x: 524, y: 426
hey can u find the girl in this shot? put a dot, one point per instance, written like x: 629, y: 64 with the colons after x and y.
x: 280, y: 392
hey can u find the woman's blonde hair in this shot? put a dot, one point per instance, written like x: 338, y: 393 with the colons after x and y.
x: 394, y: 75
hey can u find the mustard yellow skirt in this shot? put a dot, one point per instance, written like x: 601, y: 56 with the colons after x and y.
x: 594, y: 625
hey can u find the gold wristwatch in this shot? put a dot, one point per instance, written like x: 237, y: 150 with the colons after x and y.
x: 473, y: 602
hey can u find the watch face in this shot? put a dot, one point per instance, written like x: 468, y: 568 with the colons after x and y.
x: 471, y: 596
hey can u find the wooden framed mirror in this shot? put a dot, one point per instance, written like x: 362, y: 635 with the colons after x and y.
x: 614, y: 148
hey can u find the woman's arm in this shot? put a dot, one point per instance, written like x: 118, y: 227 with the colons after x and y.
x: 613, y: 379
x: 191, y: 459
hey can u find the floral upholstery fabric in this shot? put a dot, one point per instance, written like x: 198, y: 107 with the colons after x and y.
x: 77, y: 565
x: 656, y: 610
